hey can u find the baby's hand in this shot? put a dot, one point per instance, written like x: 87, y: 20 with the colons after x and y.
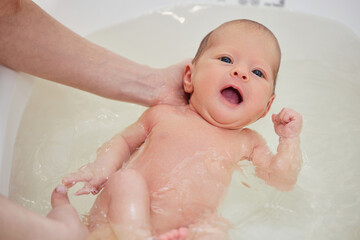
x: 287, y: 123
x: 94, y: 178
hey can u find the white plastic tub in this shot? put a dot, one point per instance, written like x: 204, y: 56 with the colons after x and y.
x: 324, y: 204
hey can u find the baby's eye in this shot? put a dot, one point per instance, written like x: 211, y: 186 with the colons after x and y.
x: 225, y: 59
x: 258, y: 73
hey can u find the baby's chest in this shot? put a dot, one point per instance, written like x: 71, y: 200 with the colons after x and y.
x: 189, y: 131
x: 188, y: 139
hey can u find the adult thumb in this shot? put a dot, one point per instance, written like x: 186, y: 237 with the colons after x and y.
x: 59, y: 197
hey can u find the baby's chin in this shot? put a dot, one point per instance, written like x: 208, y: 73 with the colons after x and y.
x: 222, y: 122
x: 229, y: 126
x: 219, y: 116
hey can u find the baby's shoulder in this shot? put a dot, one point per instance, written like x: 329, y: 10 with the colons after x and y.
x: 250, y: 135
x: 246, y: 132
x: 254, y: 138
x: 161, y: 109
x: 158, y: 112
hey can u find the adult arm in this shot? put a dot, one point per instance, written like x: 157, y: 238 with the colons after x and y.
x: 33, y: 42
x: 63, y: 222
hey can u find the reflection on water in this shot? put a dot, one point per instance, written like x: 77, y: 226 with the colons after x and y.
x: 62, y: 128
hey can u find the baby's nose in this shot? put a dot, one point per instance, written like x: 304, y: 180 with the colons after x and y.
x: 240, y: 74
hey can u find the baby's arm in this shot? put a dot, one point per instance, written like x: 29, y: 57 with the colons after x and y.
x: 281, y: 170
x: 110, y: 158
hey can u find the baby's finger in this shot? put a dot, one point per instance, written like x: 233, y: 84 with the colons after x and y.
x: 88, y: 188
x: 275, y: 118
x: 68, y: 182
x: 74, y: 178
x: 282, y: 113
x: 286, y: 118
x: 82, y: 191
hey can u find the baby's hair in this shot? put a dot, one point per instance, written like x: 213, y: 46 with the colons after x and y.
x: 205, y: 43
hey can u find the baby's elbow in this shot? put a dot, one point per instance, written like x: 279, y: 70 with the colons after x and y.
x: 283, y: 179
x: 283, y: 183
x: 286, y: 187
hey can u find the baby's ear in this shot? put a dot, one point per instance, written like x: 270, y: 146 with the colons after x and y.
x: 271, y: 100
x: 187, y: 82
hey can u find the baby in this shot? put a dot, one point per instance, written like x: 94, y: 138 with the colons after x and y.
x: 166, y: 174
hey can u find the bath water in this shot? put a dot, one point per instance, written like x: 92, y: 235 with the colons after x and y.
x: 62, y: 128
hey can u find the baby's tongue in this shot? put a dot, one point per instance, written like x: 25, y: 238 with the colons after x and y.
x: 231, y: 95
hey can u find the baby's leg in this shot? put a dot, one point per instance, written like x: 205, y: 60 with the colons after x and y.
x: 124, y: 203
x: 176, y: 234
x: 212, y: 227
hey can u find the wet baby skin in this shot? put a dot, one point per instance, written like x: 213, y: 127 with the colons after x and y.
x: 166, y: 174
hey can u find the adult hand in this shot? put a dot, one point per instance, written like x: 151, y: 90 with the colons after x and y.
x: 69, y: 225
x: 65, y: 57
x: 171, y: 89
x: 62, y: 223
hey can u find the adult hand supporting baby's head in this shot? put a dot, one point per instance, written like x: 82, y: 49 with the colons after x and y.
x: 171, y: 89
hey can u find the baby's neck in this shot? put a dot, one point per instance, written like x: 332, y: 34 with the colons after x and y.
x: 193, y: 111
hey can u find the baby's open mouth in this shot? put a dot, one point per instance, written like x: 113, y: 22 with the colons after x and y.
x: 232, y: 95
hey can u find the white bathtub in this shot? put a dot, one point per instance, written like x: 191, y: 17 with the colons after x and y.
x: 87, y: 16
x: 15, y: 90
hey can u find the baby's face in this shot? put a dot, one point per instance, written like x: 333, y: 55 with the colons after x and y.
x: 232, y: 82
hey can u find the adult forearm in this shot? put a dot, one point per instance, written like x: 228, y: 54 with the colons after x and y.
x: 31, y: 41
x: 17, y: 222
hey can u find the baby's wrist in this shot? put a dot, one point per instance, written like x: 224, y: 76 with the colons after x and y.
x: 295, y: 138
x: 285, y: 134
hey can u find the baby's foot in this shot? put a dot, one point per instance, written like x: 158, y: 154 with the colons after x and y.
x: 176, y: 234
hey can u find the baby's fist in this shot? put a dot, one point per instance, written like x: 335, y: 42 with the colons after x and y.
x: 287, y: 123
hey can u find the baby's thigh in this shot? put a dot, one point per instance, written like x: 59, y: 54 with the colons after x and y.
x: 125, y: 191
x: 127, y: 188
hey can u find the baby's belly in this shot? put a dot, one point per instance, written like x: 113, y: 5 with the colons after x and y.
x: 182, y: 204
x: 188, y: 192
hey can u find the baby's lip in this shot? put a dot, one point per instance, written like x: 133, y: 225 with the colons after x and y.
x: 232, y: 94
